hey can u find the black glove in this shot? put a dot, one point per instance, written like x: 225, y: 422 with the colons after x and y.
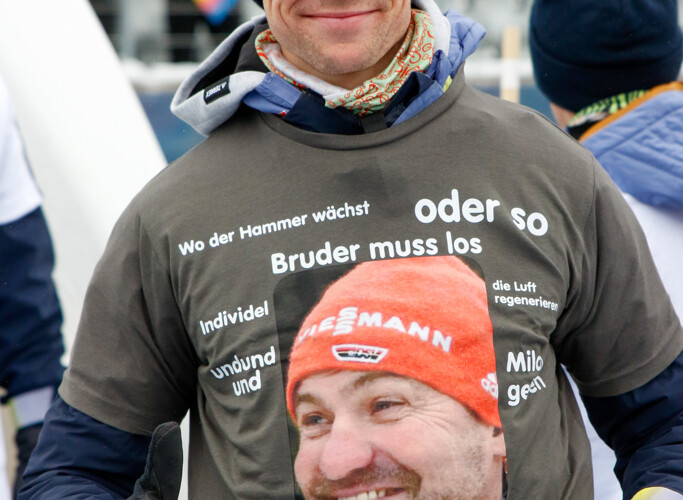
x: 164, y: 467
x: 26, y: 439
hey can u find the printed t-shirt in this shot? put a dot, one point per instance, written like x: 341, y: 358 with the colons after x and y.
x: 213, y: 267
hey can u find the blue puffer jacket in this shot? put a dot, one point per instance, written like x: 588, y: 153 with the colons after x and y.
x: 642, y: 149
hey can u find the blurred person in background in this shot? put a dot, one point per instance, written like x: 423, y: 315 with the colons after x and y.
x: 215, y: 18
x: 609, y: 69
x: 30, y: 316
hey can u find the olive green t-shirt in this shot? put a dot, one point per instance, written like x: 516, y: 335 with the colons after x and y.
x: 209, y: 272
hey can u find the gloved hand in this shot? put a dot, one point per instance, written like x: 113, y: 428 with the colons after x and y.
x: 657, y: 493
x: 26, y: 439
x: 164, y: 467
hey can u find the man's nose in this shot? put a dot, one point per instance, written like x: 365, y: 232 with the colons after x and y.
x: 347, y: 448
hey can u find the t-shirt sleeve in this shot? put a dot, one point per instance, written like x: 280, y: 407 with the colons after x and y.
x: 619, y: 329
x: 133, y: 365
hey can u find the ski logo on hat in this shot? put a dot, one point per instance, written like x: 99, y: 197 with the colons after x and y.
x: 360, y: 353
x: 490, y: 384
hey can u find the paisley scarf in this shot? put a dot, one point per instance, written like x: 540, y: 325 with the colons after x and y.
x: 415, y: 54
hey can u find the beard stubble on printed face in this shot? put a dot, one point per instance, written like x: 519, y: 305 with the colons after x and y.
x: 376, y: 435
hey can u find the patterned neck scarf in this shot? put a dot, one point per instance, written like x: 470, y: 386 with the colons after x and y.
x: 415, y: 54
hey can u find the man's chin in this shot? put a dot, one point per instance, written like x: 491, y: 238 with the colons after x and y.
x: 339, y: 65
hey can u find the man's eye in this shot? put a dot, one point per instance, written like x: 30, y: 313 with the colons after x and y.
x: 312, y: 425
x: 383, y: 406
x: 312, y: 420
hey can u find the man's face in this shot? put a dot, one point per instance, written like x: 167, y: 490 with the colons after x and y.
x: 374, y: 434
x: 334, y: 37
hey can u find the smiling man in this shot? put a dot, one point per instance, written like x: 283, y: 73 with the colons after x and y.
x: 399, y: 398
x: 352, y: 120
x: 344, y: 43
x: 381, y: 435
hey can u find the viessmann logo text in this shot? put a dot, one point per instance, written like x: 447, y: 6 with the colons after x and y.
x: 361, y: 353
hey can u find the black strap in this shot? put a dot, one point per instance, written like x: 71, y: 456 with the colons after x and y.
x: 373, y: 122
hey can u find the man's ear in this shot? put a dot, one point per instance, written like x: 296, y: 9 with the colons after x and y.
x: 498, y: 442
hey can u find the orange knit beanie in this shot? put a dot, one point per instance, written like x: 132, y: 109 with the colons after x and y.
x: 425, y: 318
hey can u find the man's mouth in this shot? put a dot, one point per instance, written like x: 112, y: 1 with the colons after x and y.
x: 339, y: 19
x: 372, y: 494
x: 340, y: 15
x: 391, y: 482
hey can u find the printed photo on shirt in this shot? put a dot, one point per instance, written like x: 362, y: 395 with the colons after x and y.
x: 390, y: 381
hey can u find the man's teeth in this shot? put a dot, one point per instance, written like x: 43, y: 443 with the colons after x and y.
x: 369, y: 495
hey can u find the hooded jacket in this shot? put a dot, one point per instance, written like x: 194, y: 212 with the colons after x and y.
x: 233, y: 75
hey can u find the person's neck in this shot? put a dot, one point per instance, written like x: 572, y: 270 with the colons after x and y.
x: 562, y: 116
x: 344, y: 80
